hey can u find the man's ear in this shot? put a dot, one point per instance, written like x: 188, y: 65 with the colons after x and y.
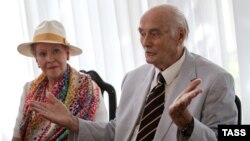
x: 182, y: 34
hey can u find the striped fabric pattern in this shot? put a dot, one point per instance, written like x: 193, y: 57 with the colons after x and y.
x: 153, y: 110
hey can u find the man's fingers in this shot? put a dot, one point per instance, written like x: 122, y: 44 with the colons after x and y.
x: 38, y: 107
x: 35, y: 104
x: 183, y: 100
x: 193, y: 85
x: 194, y: 93
x: 51, y: 98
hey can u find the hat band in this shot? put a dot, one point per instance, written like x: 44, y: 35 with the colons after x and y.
x: 49, y: 37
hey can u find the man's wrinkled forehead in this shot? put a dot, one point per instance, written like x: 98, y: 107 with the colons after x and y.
x: 153, y: 24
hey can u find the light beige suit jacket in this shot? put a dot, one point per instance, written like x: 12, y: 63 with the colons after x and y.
x: 214, y: 106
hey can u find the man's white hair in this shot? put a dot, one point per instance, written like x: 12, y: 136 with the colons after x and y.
x: 176, y: 20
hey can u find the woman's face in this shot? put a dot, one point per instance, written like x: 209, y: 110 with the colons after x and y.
x: 51, y: 58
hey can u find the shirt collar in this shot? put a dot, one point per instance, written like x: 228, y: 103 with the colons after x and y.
x: 172, y: 71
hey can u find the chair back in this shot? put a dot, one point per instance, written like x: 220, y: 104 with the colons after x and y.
x: 104, y: 86
x: 238, y: 105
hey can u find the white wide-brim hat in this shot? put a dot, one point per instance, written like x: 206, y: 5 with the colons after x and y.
x: 48, y: 32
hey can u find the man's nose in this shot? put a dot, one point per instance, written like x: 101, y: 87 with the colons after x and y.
x: 146, y: 40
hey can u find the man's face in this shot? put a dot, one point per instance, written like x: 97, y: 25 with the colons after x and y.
x: 161, y: 47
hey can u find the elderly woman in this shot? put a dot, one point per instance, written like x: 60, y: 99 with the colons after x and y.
x: 76, y: 90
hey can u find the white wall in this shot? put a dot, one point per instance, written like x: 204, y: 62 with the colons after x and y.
x: 242, y: 29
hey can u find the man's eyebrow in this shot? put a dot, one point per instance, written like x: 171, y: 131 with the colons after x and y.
x: 154, y: 30
x: 150, y: 30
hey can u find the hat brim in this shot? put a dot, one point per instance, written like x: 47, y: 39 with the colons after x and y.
x: 25, y: 48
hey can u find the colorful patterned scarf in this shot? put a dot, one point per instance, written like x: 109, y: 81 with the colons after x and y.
x: 75, y: 90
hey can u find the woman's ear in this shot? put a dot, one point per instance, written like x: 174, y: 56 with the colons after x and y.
x: 38, y: 64
x: 67, y: 55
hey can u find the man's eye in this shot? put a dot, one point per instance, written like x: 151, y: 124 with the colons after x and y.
x: 142, y: 34
x: 155, y: 34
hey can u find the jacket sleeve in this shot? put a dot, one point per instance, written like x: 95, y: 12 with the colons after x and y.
x: 219, y: 108
x: 94, y: 131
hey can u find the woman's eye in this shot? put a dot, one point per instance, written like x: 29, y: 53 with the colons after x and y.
x: 41, y: 54
x: 56, y: 51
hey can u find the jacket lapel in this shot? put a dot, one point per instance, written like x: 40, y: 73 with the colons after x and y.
x: 186, y: 75
x: 141, y: 93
